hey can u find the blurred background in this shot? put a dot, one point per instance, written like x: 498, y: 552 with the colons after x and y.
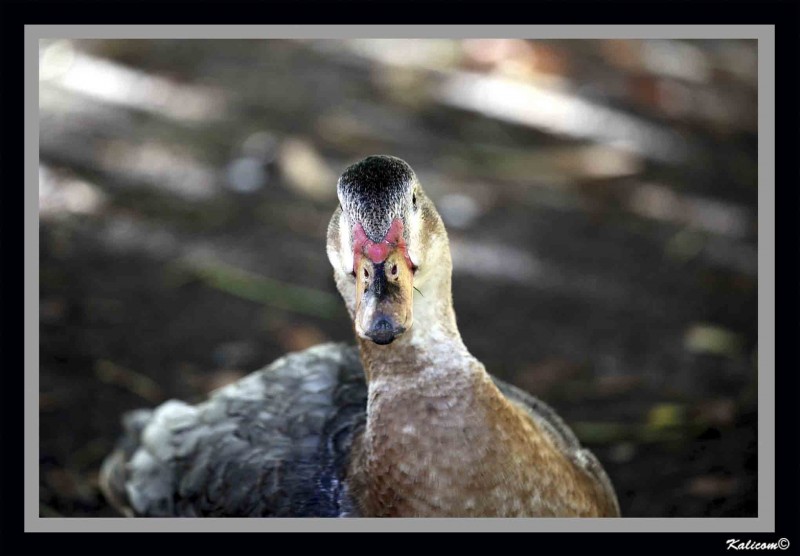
x: 600, y: 197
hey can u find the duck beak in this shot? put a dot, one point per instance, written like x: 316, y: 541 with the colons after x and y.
x: 384, y: 288
x: 384, y: 295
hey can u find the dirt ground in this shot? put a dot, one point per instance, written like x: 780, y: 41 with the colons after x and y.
x: 607, y: 265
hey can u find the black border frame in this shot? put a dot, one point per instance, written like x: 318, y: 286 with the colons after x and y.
x: 15, y: 14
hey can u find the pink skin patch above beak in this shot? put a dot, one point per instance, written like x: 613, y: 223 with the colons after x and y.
x: 377, y: 252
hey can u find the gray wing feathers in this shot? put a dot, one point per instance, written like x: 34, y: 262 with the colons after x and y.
x: 250, y: 449
x: 275, y: 443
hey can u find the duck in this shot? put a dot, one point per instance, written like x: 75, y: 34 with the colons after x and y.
x: 404, y: 423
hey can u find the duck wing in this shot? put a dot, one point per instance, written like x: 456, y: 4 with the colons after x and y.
x: 275, y: 443
x: 546, y: 417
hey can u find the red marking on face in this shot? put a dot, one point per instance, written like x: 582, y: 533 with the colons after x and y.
x: 378, y: 251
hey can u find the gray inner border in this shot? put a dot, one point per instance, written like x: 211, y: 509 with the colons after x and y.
x: 765, y: 34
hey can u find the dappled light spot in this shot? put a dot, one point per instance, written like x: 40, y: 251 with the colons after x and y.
x: 59, y: 195
x: 711, y: 339
x: 663, y: 203
x: 712, y: 486
x: 518, y: 58
x: 162, y: 166
x: 676, y: 59
x: 306, y: 171
x: 458, y: 211
x: 114, y: 83
x: 559, y: 112
x: 55, y: 59
x: 425, y: 53
x: 606, y: 161
x: 246, y: 174
x: 495, y: 261
x: 249, y: 170
x: 262, y: 145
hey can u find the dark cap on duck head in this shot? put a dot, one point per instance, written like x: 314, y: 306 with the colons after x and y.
x: 375, y: 191
x: 376, y: 195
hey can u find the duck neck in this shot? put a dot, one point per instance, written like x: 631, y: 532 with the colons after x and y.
x: 430, y: 446
x: 432, y: 342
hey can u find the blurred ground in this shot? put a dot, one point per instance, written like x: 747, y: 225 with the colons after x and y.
x: 600, y: 198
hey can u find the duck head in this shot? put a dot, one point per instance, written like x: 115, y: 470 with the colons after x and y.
x: 383, y: 242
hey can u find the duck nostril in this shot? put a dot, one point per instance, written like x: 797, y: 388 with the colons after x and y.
x: 394, y: 270
x: 366, y: 273
x: 382, y: 332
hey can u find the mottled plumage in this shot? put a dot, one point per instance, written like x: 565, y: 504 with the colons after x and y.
x: 407, y: 424
x: 272, y: 444
x: 276, y: 443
